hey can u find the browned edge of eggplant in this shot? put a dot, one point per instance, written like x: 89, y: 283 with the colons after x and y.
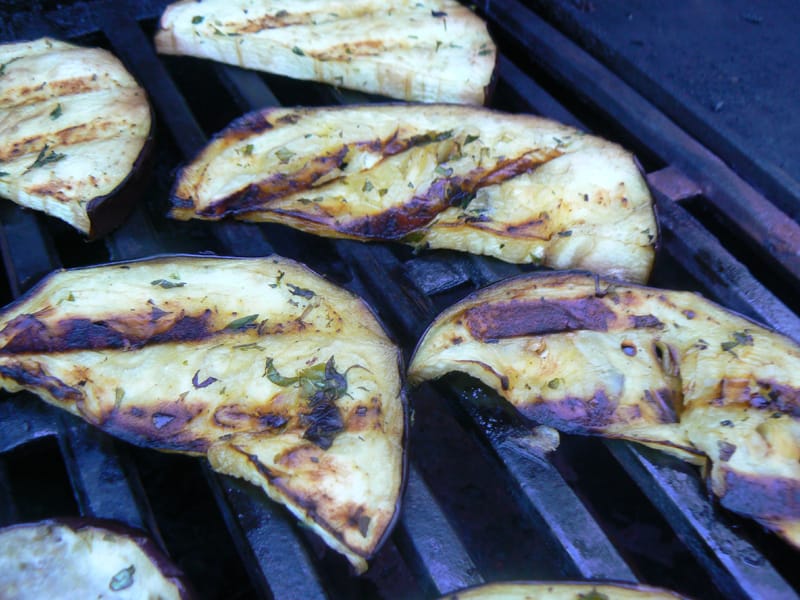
x: 165, y: 565
x: 135, y: 439
x: 626, y: 585
x: 108, y: 212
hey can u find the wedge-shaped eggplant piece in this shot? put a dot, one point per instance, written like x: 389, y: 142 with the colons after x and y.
x: 536, y: 590
x: 75, y: 129
x: 667, y: 369
x: 276, y: 375
x: 435, y: 51
x: 517, y: 187
x: 76, y: 559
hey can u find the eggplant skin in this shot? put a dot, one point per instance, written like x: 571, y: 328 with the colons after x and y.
x: 76, y: 133
x: 668, y: 369
x: 540, y: 590
x: 274, y: 374
x: 517, y: 187
x: 433, y: 51
x: 85, y: 558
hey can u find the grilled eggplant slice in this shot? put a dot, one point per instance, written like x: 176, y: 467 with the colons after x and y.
x: 524, y: 590
x: 667, y: 369
x: 79, y: 559
x: 433, y: 51
x: 278, y: 376
x: 75, y: 130
x: 517, y: 187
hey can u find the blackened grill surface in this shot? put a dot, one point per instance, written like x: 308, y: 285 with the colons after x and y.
x: 484, y: 503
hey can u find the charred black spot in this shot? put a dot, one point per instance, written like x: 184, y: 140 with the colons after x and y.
x: 645, y: 321
x: 775, y: 396
x: 298, y: 291
x: 323, y: 422
x: 726, y: 450
x: 38, y: 378
x: 247, y: 125
x: 516, y: 318
x: 289, y: 119
x: 574, y: 415
x: 272, y: 421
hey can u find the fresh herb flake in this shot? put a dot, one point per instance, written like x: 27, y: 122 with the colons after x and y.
x: 4, y: 173
x: 554, y: 384
x: 57, y: 112
x: 284, y: 155
x: 471, y: 138
x: 367, y: 186
x: 438, y: 45
x: 167, y: 284
x: 44, y: 158
x: 298, y: 291
x: 242, y: 322
x: 565, y: 233
x: 592, y: 595
x: 740, y: 338
x: 438, y: 13
x: 122, y: 580
x: 484, y: 52
x: 297, y: 51
x: 281, y: 13
x: 197, y: 19
x: 247, y: 150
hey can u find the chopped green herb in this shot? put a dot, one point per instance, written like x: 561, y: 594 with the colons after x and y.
x: 122, y: 580
x: 565, y: 233
x: 278, y: 280
x: 247, y: 150
x: 471, y: 138
x: 4, y: 173
x: 44, y: 158
x: 438, y: 13
x: 592, y: 595
x: 440, y: 170
x: 5, y: 64
x: 410, y: 185
x: 382, y: 192
x: 281, y: 13
x: 167, y: 284
x: 554, y: 384
x: 250, y: 346
x: 56, y: 112
x: 284, y: 155
x: 298, y: 291
x: 119, y: 394
x: 197, y: 19
x: 241, y: 322
x: 438, y: 45
x: 484, y: 52
x: 70, y: 298
x: 297, y: 51
x: 740, y: 338
x: 367, y: 186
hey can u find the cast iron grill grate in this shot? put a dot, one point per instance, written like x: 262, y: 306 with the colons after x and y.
x: 480, y: 505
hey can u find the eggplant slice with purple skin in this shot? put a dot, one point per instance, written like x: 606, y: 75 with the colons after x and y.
x: 668, y: 369
x: 517, y: 187
x: 75, y: 133
x: 76, y: 559
x: 562, y: 590
x: 433, y: 51
x: 273, y: 373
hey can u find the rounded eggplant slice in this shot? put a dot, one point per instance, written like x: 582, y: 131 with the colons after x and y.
x: 436, y: 51
x: 516, y: 187
x: 75, y: 133
x: 563, y: 591
x: 668, y: 369
x: 273, y: 373
x: 75, y: 559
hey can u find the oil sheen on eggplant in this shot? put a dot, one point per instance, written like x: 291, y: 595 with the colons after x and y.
x: 76, y: 559
x: 274, y: 374
x: 433, y: 51
x: 668, y: 369
x: 75, y: 133
x: 517, y: 187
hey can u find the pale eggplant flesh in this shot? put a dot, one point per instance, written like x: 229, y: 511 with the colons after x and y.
x: 75, y: 133
x: 517, y: 187
x: 432, y: 51
x: 76, y: 559
x: 668, y: 369
x: 273, y: 373
x: 562, y: 590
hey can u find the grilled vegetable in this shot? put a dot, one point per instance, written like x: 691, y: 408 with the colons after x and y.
x: 433, y: 51
x: 562, y: 591
x: 74, y: 132
x: 79, y: 559
x: 667, y: 369
x: 517, y: 187
x: 278, y: 376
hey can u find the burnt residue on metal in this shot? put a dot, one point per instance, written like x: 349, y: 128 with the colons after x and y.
x: 518, y: 318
